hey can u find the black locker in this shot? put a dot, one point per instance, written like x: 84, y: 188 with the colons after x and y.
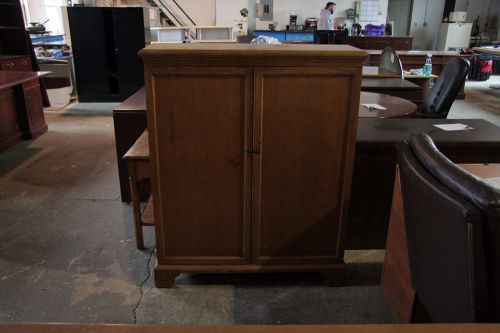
x: 105, y: 44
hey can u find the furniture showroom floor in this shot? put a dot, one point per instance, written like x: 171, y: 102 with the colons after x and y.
x: 68, y: 252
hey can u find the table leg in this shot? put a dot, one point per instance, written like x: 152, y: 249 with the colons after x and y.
x: 136, y: 205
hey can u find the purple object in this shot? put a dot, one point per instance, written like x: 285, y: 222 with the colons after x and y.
x: 374, y: 30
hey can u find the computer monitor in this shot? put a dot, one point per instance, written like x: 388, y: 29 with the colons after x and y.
x: 330, y: 37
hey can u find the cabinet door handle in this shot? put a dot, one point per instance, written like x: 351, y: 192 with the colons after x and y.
x: 254, y: 152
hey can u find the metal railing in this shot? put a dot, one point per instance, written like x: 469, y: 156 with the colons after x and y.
x: 175, y: 13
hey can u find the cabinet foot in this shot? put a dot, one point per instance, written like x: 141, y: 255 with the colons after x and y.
x: 334, y: 278
x: 165, y: 279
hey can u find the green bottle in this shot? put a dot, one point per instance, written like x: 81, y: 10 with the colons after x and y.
x: 427, y: 70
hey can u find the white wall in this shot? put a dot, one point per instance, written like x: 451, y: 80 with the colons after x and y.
x: 426, y: 21
x: 228, y: 10
x: 201, y: 11
x: 37, y: 11
x: 312, y: 8
x: 489, y: 16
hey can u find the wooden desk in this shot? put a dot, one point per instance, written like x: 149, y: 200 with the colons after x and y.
x: 487, y: 50
x: 375, y: 163
x: 21, y: 107
x: 374, y: 166
x: 129, y: 122
x: 380, y: 42
x: 375, y: 72
x: 125, y: 328
x: 138, y: 169
x: 396, y: 107
x: 396, y: 277
x: 394, y: 87
x: 416, y: 59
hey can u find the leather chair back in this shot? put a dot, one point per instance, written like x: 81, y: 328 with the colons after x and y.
x: 390, y: 62
x: 445, y: 90
x: 447, y: 231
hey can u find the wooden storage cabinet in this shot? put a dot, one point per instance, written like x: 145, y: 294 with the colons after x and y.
x: 251, y: 168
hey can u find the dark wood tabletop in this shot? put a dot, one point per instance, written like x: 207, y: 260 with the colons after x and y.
x: 388, y: 83
x: 136, y: 102
x: 391, y: 131
x: 395, y: 107
x: 375, y: 72
x: 9, y: 79
x: 140, y: 149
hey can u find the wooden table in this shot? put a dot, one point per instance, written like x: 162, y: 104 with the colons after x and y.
x: 396, y: 107
x: 124, y: 328
x: 138, y: 169
x: 395, y: 87
x: 396, y: 277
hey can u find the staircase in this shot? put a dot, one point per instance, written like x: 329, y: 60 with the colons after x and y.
x: 175, y: 15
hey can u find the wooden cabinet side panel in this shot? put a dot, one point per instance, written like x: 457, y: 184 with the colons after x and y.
x: 305, y: 127
x: 199, y: 121
x: 9, y: 122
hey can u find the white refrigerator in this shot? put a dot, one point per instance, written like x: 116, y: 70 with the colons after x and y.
x: 454, y: 36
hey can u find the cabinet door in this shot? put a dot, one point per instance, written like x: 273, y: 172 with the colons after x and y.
x: 200, y: 130
x: 128, y: 28
x: 34, y: 110
x: 90, y: 55
x: 304, y: 128
x: 9, y: 123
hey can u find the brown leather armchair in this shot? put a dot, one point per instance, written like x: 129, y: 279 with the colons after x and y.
x: 453, y: 229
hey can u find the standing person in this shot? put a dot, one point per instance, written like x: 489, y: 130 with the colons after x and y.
x: 326, y: 17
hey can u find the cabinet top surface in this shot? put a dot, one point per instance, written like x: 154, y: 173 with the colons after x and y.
x: 248, y: 50
x: 9, y: 79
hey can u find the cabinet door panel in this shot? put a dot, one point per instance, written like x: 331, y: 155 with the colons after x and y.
x: 302, y: 174
x: 89, y: 50
x: 202, y: 171
x: 9, y: 122
x: 128, y: 27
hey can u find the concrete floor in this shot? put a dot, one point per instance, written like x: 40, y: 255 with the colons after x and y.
x: 67, y: 252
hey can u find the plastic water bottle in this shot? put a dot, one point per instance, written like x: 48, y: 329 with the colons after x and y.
x: 427, y: 70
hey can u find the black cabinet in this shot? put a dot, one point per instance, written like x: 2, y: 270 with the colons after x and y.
x: 105, y: 44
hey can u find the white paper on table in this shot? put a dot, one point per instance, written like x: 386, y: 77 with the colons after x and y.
x: 373, y: 107
x: 495, y: 182
x: 454, y: 127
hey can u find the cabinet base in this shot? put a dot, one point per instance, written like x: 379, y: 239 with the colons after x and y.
x: 334, y: 274
x: 7, y: 143
x: 35, y: 133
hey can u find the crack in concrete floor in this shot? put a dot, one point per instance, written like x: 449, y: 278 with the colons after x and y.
x: 143, y: 283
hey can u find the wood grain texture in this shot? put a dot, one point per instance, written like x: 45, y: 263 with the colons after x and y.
x: 120, y: 328
x: 252, y: 167
x: 203, y: 118
x: 302, y: 164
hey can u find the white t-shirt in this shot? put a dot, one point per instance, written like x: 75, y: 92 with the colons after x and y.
x: 325, y: 20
